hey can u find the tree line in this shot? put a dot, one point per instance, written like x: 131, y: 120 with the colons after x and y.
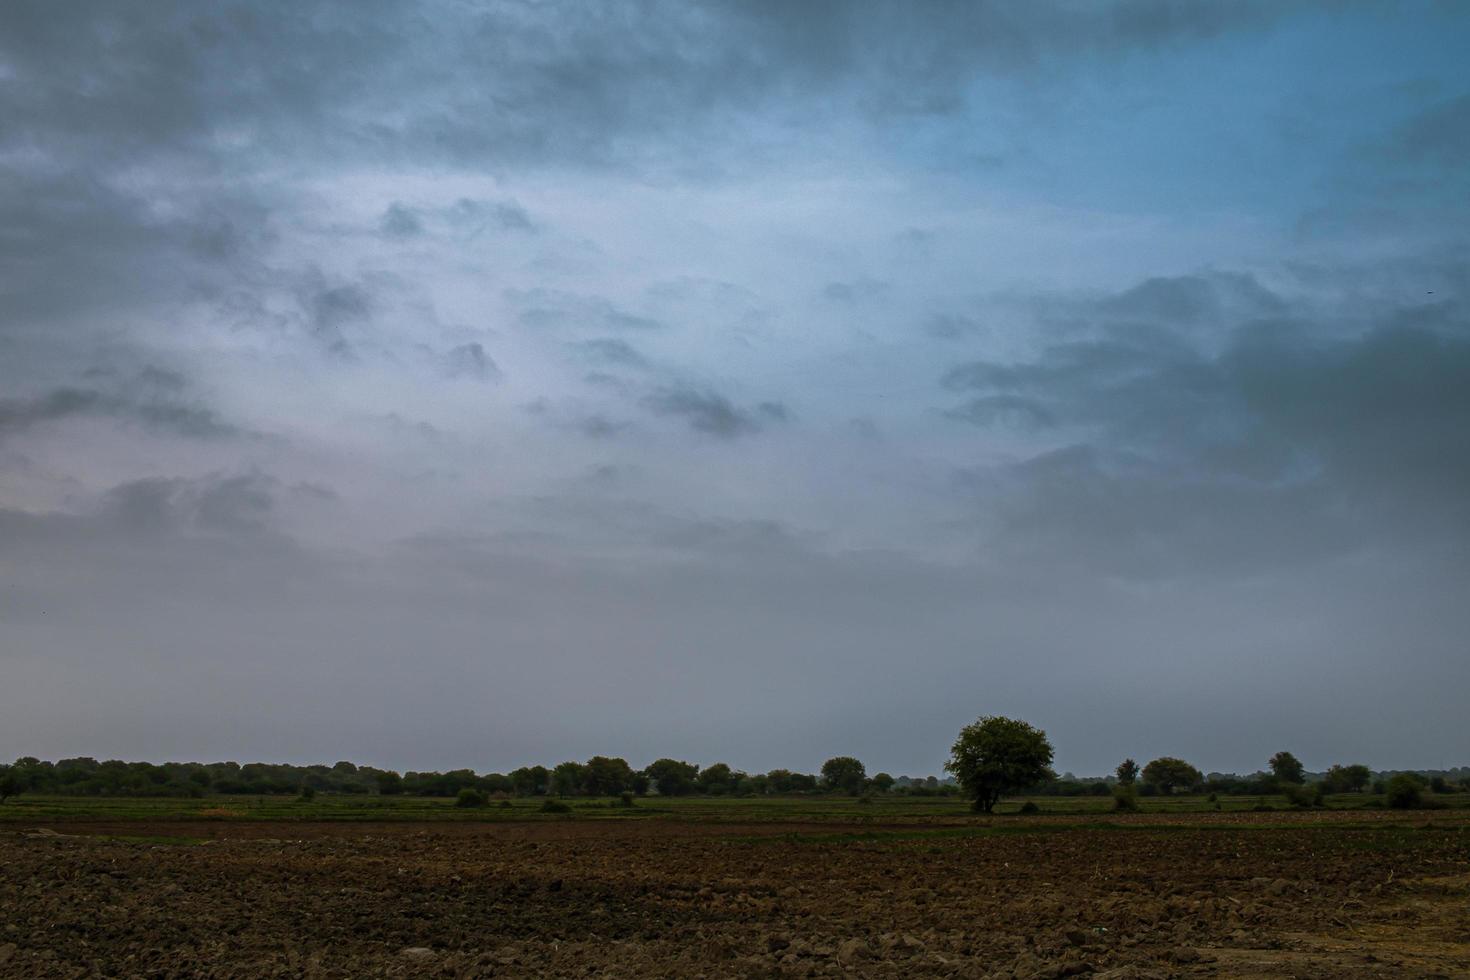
x: 598, y: 776
x: 992, y: 758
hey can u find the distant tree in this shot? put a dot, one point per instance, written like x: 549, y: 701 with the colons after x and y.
x: 672, y: 777
x: 11, y: 783
x: 995, y: 756
x: 1127, y: 772
x: 1405, y: 791
x: 1439, y: 784
x: 566, y: 779
x: 604, y: 776
x: 1288, y: 769
x: 786, y: 781
x: 345, y: 768
x: 717, y: 780
x: 494, y: 782
x: 883, y: 782
x: 468, y: 797
x: 1347, y: 779
x: 1167, y: 774
x: 389, y: 783
x: 531, y: 780
x: 844, y: 774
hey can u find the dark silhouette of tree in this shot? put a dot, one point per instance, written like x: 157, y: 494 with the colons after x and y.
x: 1288, y: 769
x: 1167, y: 774
x: 844, y: 774
x: 672, y: 777
x: 1127, y: 772
x: 995, y: 756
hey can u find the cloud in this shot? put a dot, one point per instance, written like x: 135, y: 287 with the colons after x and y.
x: 470, y: 361
x: 158, y: 409
x: 400, y: 222
x: 613, y: 350
x: 712, y: 413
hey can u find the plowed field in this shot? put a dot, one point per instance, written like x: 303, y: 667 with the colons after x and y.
x: 1352, y: 897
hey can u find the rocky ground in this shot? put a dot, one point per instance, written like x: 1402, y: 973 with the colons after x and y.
x: 1258, y: 899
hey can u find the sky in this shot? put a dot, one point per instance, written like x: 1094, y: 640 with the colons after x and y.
x: 453, y: 384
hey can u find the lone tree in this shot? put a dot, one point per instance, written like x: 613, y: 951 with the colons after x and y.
x: 1287, y: 769
x: 844, y: 773
x: 1127, y: 772
x: 1168, y: 773
x: 995, y: 756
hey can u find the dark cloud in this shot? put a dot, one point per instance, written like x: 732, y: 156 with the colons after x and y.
x: 613, y: 350
x: 477, y: 216
x: 400, y: 222
x: 1283, y: 445
x: 548, y: 309
x: 470, y: 361
x: 712, y: 413
x: 159, y: 409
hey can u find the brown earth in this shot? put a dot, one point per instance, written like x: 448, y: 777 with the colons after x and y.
x: 663, y: 898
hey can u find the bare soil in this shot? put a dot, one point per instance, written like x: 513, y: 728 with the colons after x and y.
x: 1198, y: 897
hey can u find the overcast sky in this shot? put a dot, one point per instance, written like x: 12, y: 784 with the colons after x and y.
x: 479, y: 384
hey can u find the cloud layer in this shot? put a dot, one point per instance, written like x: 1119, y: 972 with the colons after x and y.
x: 448, y: 386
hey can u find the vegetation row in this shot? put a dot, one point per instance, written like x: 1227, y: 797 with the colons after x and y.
x: 993, y: 758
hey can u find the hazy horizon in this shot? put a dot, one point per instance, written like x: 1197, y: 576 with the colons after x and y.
x: 450, y: 385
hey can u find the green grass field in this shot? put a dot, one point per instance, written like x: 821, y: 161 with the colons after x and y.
x: 897, y: 809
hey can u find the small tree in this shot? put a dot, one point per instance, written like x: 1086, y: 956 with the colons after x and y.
x: 470, y: 798
x: 1405, y: 791
x: 995, y: 756
x: 1168, y: 773
x: 1347, y: 779
x: 883, y: 782
x: 844, y: 773
x: 389, y: 783
x: 1287, y: 769
x: 1127, y: 772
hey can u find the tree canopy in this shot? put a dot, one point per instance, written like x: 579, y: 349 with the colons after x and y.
x: 1288, y: 769
x: 1167, y: 774
x: 996, y: 755
x: 844, y: 773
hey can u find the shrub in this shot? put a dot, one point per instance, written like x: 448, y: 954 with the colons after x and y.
x: 625, y: 799
x: 307, y: 795
x: 1030, y: 807
x: 1125, y: 798
x: 1405, y: 792
x: 505, y: 804
x: 1302, y: 797
x: 555, y: 806
x: 470, y: 797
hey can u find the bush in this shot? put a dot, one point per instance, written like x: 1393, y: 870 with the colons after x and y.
x: 1405, y: 792
x: 626, y: 799
x: 1302, y: 797
x: 555, y: 806
x: 505, y: 804
x: 470, y: 797
x: 1125, y: 798
x: 307, y: 794
x: 1030, y: 807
